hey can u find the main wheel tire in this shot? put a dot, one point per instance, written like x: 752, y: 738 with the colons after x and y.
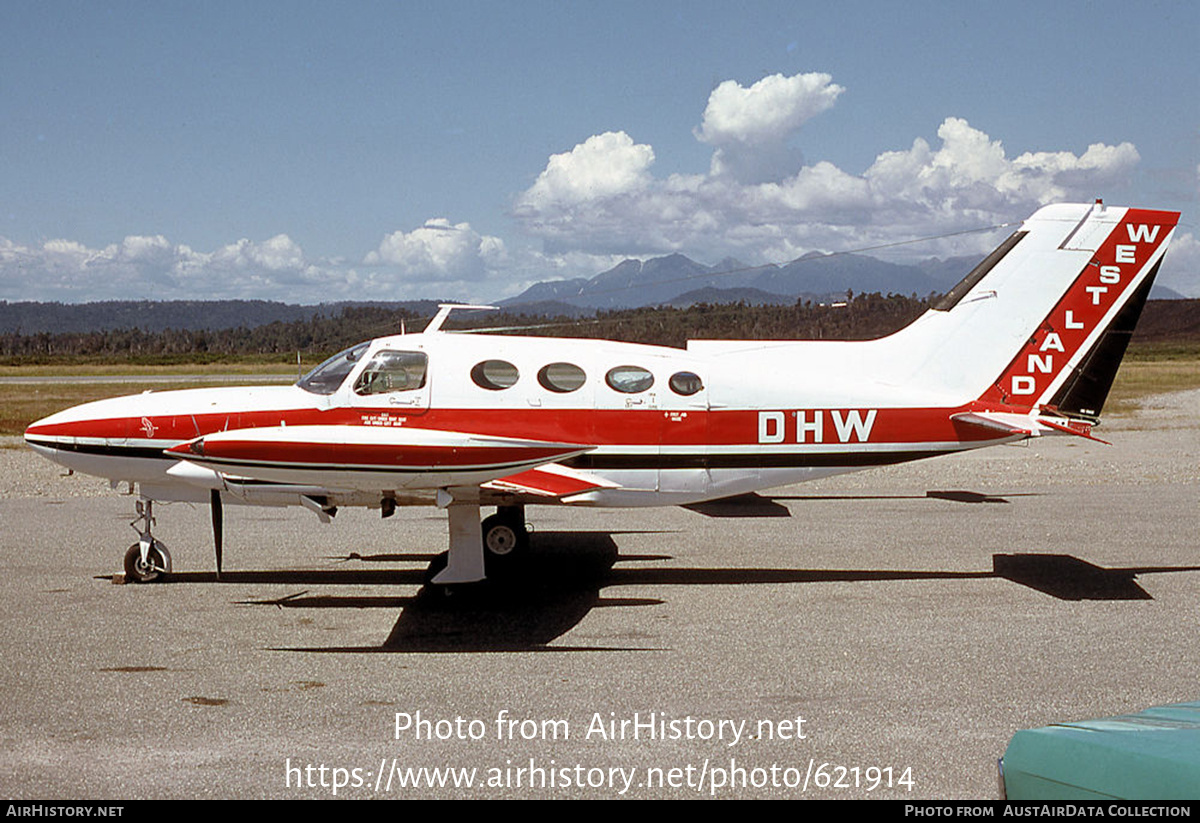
x: 501, y: 537
x: 138, y: 572
x: 504, y: 541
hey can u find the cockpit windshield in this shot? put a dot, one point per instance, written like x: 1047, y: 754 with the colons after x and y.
x: 326, y: 378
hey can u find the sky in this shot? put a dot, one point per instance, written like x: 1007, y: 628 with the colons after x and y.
x: 315, y: 152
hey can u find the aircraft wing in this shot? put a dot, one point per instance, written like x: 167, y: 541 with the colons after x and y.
x: 551, y: 480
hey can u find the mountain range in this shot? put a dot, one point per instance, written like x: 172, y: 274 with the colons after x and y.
x: 680, y: 281
x: 673, y: 280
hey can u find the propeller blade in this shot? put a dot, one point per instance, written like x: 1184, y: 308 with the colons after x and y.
x: 218, y: 519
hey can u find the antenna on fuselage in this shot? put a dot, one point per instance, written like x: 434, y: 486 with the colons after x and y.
x: 444, y: 310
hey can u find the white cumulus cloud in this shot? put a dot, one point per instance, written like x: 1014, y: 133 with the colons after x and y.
x: 759, y: 202
x: 152, y: 268
x: 1181, y: 267
x: 600, y: 201
x: 438, y: 251
x: 771, y: 109
x: 751, y: 128
x: 971, y: 172
x: 603, y: 166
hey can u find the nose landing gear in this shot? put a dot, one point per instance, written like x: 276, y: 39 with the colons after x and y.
x: 148, y: 559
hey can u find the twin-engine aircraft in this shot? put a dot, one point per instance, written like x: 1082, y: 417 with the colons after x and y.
x: 1026, y: 345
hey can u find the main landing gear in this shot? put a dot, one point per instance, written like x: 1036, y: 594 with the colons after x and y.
x: 476, y: 550
x: 148, y: 559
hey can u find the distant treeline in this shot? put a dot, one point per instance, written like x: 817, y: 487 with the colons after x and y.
x: 150, y: 315
x: 861, y: 317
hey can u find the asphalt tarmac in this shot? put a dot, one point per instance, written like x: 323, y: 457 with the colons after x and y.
x: 881, y: 634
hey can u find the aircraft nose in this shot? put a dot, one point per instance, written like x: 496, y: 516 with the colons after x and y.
x: 47, y: 436
x: 46, y: 427
x: 98, y: 419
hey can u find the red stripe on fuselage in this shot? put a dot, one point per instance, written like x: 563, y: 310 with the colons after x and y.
x: 597, y: 427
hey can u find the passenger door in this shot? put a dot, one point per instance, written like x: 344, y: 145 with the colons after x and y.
x: 683, y: 444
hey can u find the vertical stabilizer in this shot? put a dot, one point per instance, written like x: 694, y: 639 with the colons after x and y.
x: 1069, y: 359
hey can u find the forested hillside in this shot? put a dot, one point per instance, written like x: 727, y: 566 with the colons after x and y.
x: 860, y: 317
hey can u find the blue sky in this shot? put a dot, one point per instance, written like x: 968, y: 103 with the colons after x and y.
x: 308, y: 151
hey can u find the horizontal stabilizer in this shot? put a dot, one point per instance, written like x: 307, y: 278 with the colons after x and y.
x: 1002, y: 422
x: 1026, y: 425
x: 1079, y: 428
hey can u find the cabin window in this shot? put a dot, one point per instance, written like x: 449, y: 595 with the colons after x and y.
x: 391, y: 371
x: 561, y: 377
x: 326, y: 378
x: 685, y: 383
x: 495, y: 375
x: 629, y: 379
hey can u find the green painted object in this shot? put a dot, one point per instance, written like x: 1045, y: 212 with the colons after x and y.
x: 1152, y: 755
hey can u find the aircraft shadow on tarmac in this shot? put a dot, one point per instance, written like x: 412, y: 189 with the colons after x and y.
x: 533, y: 604
x: 523, y: 606
x: 542, y: 596
x: 758, y: 505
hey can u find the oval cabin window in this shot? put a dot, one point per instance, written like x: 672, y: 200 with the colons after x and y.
x: 495, y: 375
x: 629, y: 379
x: 561, y: 377
x: 685, y: 383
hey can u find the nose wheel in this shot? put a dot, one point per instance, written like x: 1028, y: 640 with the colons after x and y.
x: 148, y: 559
x: 148, y: 569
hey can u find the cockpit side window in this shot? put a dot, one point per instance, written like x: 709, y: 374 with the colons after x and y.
x: 326, y: 378
x: 391, y: 371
